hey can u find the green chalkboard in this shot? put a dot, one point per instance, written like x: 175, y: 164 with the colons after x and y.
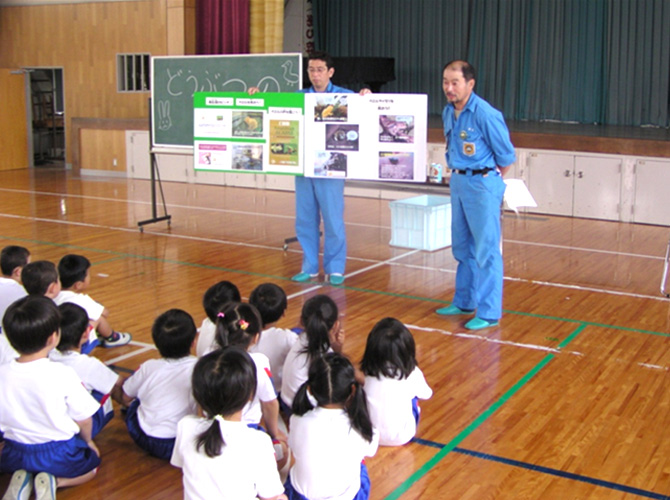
x: 176, y: 78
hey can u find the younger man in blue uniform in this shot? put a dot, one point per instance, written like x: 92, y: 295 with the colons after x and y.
x: 479, y: 152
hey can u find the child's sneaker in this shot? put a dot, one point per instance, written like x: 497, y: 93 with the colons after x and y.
x: 117, y: 339
x: 45, y: 486
x: 20, y: 486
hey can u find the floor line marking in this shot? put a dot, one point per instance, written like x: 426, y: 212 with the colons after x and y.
x: 241, y: 212
x: 284, y: 278
x: 416, y: 476
x: 547, y: 470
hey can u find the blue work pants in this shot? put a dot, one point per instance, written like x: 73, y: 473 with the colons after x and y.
x: 316, y: 198
x: 476, y: 243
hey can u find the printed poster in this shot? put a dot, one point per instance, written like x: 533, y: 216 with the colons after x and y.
x: 242, y: 133
x: 371, y: 137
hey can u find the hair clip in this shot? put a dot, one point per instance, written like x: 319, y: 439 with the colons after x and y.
x: 221, y: 315
x: 243, y: 324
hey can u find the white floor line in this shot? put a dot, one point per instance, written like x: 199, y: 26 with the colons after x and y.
x: 241, y: 212
x: 587, y: 289
x: 492, y: 340
x: 129, y: 355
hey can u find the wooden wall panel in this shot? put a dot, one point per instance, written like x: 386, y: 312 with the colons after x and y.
x: 84, y: 39
x: 13, y: 127
x: 101, y: 149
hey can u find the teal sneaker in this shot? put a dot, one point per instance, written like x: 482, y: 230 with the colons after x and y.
x: 336, y: 279
x: 304, y: 277
x: 479, y: 324
x: 452, y: 310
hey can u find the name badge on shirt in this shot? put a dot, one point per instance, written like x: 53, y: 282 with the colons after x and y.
x: 469, y: 148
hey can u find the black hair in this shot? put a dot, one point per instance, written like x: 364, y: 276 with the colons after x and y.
x: 318, y: 317
x: 173, y: 333
x: 390, y: 350
x: 223, y: 382
x: 72, y: 268
x: 237, y: 325
x: 29, y: 322
x: 320, y: 55
x: 332, y: 380
x: 466, y: 68
x: 37, y: 276
x: 73, y: 324
x: 11, y: 257
x: 270, y: 300
x: 217, y: 296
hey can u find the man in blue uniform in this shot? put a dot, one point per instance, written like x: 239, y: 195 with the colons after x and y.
x: 479, y: 152
x: 316, y: 198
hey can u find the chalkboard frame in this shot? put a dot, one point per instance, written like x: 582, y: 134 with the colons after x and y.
x: 174, y: 77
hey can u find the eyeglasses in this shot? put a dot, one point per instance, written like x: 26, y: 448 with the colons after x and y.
x: 320, y: 69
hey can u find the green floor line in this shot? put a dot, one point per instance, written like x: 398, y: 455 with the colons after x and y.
x: 352, y: 288
x: 449, y: 447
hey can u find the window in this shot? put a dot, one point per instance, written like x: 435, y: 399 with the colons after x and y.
x: 132, y: 72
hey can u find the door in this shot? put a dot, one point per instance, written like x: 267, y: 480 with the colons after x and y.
x: 597, y: 187
x: 13, y: 120
x: 551, y: 182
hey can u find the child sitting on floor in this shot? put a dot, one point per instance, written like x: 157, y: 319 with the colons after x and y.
x: 46, y: 412
x: 98, y: 379
x: 220, y: 456
x: 75, y: 277
x: 158, y: 394
x: 12, y: 260
x: 275, y: 342
x: 216, y: 297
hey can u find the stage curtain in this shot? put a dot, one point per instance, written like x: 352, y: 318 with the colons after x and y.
x: 595, y: 61
x: 267, y: 26
x: 222, y: 27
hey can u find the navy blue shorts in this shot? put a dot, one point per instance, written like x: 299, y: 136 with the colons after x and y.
x: 363, y: 493
x: 100, y: 418
x: 70, y: 458
x: 158, y: 447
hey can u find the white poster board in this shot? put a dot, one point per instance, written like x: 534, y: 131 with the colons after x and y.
x: 371, y: 137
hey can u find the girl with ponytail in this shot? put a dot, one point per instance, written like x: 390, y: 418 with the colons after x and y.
x: 323, y: 333
x: 220, y: 456
x: 330, y: 434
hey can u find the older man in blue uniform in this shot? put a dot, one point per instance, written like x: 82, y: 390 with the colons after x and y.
x: 479, y: 152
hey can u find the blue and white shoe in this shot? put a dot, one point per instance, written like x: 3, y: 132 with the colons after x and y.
x: 45, y: 486
x: 20, y: 486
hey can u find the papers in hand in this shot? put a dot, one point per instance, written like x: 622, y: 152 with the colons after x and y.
x: 517, y: 195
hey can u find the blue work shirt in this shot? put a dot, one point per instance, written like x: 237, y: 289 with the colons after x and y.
x: 330, y: 89
x: 479, y: 138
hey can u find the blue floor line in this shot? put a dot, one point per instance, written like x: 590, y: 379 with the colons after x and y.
x: 548, y: 470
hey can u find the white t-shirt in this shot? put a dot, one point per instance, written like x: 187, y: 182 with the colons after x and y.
x: 275, y: 343
x: 94, y: 374
x: 206, y: 343
x: 93, y: 309
x: 245, y: 469
x: 328, y: 454
x: 10, y: 292
x: 265, y: 391
x: 390, y: 405
x: 7, y: 352
x: 163, y: 387
x: 40, y: 401
x: 296, y: 369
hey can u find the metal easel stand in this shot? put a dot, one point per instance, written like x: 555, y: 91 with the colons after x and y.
x: 155, y: 177
x: 664, y: 289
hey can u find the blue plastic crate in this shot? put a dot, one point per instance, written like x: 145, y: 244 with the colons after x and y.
x: 422, y: 222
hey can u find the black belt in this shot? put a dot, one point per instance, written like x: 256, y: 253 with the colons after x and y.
x: 481, y: 171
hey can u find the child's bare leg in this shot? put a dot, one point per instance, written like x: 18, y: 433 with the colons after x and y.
x: 64, y: 482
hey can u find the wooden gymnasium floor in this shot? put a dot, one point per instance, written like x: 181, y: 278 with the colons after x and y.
x: 567, y: 399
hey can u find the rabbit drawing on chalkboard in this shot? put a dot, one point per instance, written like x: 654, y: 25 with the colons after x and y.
x: 164, y: 121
